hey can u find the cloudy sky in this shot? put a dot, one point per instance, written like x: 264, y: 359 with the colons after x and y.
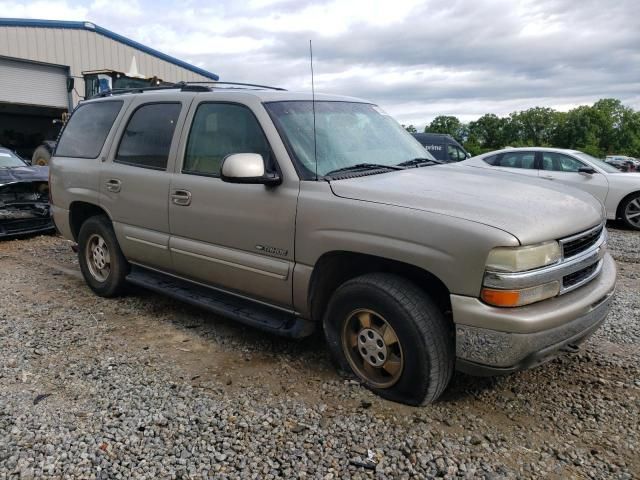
x: 417, y: 59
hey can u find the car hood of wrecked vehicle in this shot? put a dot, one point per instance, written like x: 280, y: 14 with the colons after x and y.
x: 23, y: 174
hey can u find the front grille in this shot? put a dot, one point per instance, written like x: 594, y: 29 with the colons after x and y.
x: 580, y: 243
x: 577, y: 277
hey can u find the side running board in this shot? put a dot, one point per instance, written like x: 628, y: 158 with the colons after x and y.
x: 245, y: 311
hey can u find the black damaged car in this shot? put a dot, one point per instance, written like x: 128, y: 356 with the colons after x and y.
x: 24, y: 196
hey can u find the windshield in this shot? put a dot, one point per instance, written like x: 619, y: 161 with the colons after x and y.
x: 601, y: 164
x: 9, y: 159
x: 347, y: 134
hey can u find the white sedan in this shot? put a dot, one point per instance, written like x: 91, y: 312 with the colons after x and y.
x: 618, y: 191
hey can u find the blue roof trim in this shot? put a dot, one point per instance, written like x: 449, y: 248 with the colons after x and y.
x: 92, y: 27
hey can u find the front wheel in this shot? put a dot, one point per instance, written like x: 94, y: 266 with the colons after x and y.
x: 391, y: 335
x: 101, y: 261
x: 630, y: 210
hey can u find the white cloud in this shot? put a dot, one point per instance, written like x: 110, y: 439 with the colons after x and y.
x: 417, y: 59
x: 50, y: 10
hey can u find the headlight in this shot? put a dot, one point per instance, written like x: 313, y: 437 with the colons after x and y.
x: 520, y: 259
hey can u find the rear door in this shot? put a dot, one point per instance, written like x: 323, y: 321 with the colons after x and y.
x: 233, y: 236
x: 134, y: 183
x: 562, y: 168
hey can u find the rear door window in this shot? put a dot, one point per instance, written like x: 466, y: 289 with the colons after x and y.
x: 87, y: 130
x: 525, y: 160
x: 147, y: 139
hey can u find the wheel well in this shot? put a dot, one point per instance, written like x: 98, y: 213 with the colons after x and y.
x: 335, y: 268
x: 79, y: 212
x: 619, y: 212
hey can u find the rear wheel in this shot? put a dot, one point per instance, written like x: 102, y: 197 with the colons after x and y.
x: 630, y: 211
x: 392, y: 336
x: 101, y: 261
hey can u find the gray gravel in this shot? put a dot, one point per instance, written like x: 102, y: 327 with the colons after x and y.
x: 144, y: 387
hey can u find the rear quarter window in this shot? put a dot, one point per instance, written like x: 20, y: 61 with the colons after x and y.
x: 87, y: 130
x: 492, y: 160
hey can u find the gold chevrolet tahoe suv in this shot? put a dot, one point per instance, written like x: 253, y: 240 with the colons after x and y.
x: 289, y: 214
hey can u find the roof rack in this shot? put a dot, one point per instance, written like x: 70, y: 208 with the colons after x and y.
x: 236, y: 85
x: 188, y: 87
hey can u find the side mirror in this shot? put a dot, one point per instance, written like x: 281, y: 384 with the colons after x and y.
x: 587, y: 170
x: 247, y: 168
x: 71, y: 82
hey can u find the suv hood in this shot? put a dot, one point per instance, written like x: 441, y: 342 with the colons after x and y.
x: 532, y: 210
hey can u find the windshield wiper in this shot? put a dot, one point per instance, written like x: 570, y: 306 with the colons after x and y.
x: 418, y: 162
x: 363, y: 166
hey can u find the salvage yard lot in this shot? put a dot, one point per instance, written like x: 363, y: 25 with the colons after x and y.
x: 143, y: 386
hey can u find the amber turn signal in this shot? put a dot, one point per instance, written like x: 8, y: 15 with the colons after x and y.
x: 517, y: 298
x: 500, y: 298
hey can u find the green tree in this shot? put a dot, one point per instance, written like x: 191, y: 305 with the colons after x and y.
x: 579, y: 130
x: 447, y: 124
x: 533, y: 127
x: 606, y: 127
x: 488, y: 132
x: 410, y: 128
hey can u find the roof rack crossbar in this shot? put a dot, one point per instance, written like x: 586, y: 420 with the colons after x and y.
x: 120, y: 91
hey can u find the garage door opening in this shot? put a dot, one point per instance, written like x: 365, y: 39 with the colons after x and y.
x: 25, y: 127
x: 32, y: 96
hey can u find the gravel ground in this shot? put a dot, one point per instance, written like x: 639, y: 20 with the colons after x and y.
x: 145, y: 387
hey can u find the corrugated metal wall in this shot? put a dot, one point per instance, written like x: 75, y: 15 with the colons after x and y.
x: 82, y: 50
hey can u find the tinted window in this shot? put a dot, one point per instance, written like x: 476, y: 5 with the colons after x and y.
x: 221, y: 129
x: 455, y: 153
x: 492, y: 160
x: 513, y: 160
x: 87, y: 129
x: 560, y: 163
x: 147, y: 139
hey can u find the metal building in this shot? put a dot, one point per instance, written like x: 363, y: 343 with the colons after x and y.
x: 47, y: 66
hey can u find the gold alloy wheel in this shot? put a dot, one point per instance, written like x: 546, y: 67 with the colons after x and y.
x: 98, y: 258
x: 372, y: 348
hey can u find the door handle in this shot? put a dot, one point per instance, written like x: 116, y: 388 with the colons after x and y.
x: 548, y: 177
x: 113, y: 185
x: 181, y: 198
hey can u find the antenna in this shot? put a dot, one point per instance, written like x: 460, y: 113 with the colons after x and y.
x: 313, y: 106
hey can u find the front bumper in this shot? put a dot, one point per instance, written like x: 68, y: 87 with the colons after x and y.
x: 491, y: 341
x: 14, y: 224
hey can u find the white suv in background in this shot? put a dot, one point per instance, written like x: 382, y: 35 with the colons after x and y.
x: 618, y: 191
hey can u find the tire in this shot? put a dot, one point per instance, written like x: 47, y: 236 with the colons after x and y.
x: 41, y: 156
x: 424, y: 342
x: 98, y: 247
x: 630, y: 211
